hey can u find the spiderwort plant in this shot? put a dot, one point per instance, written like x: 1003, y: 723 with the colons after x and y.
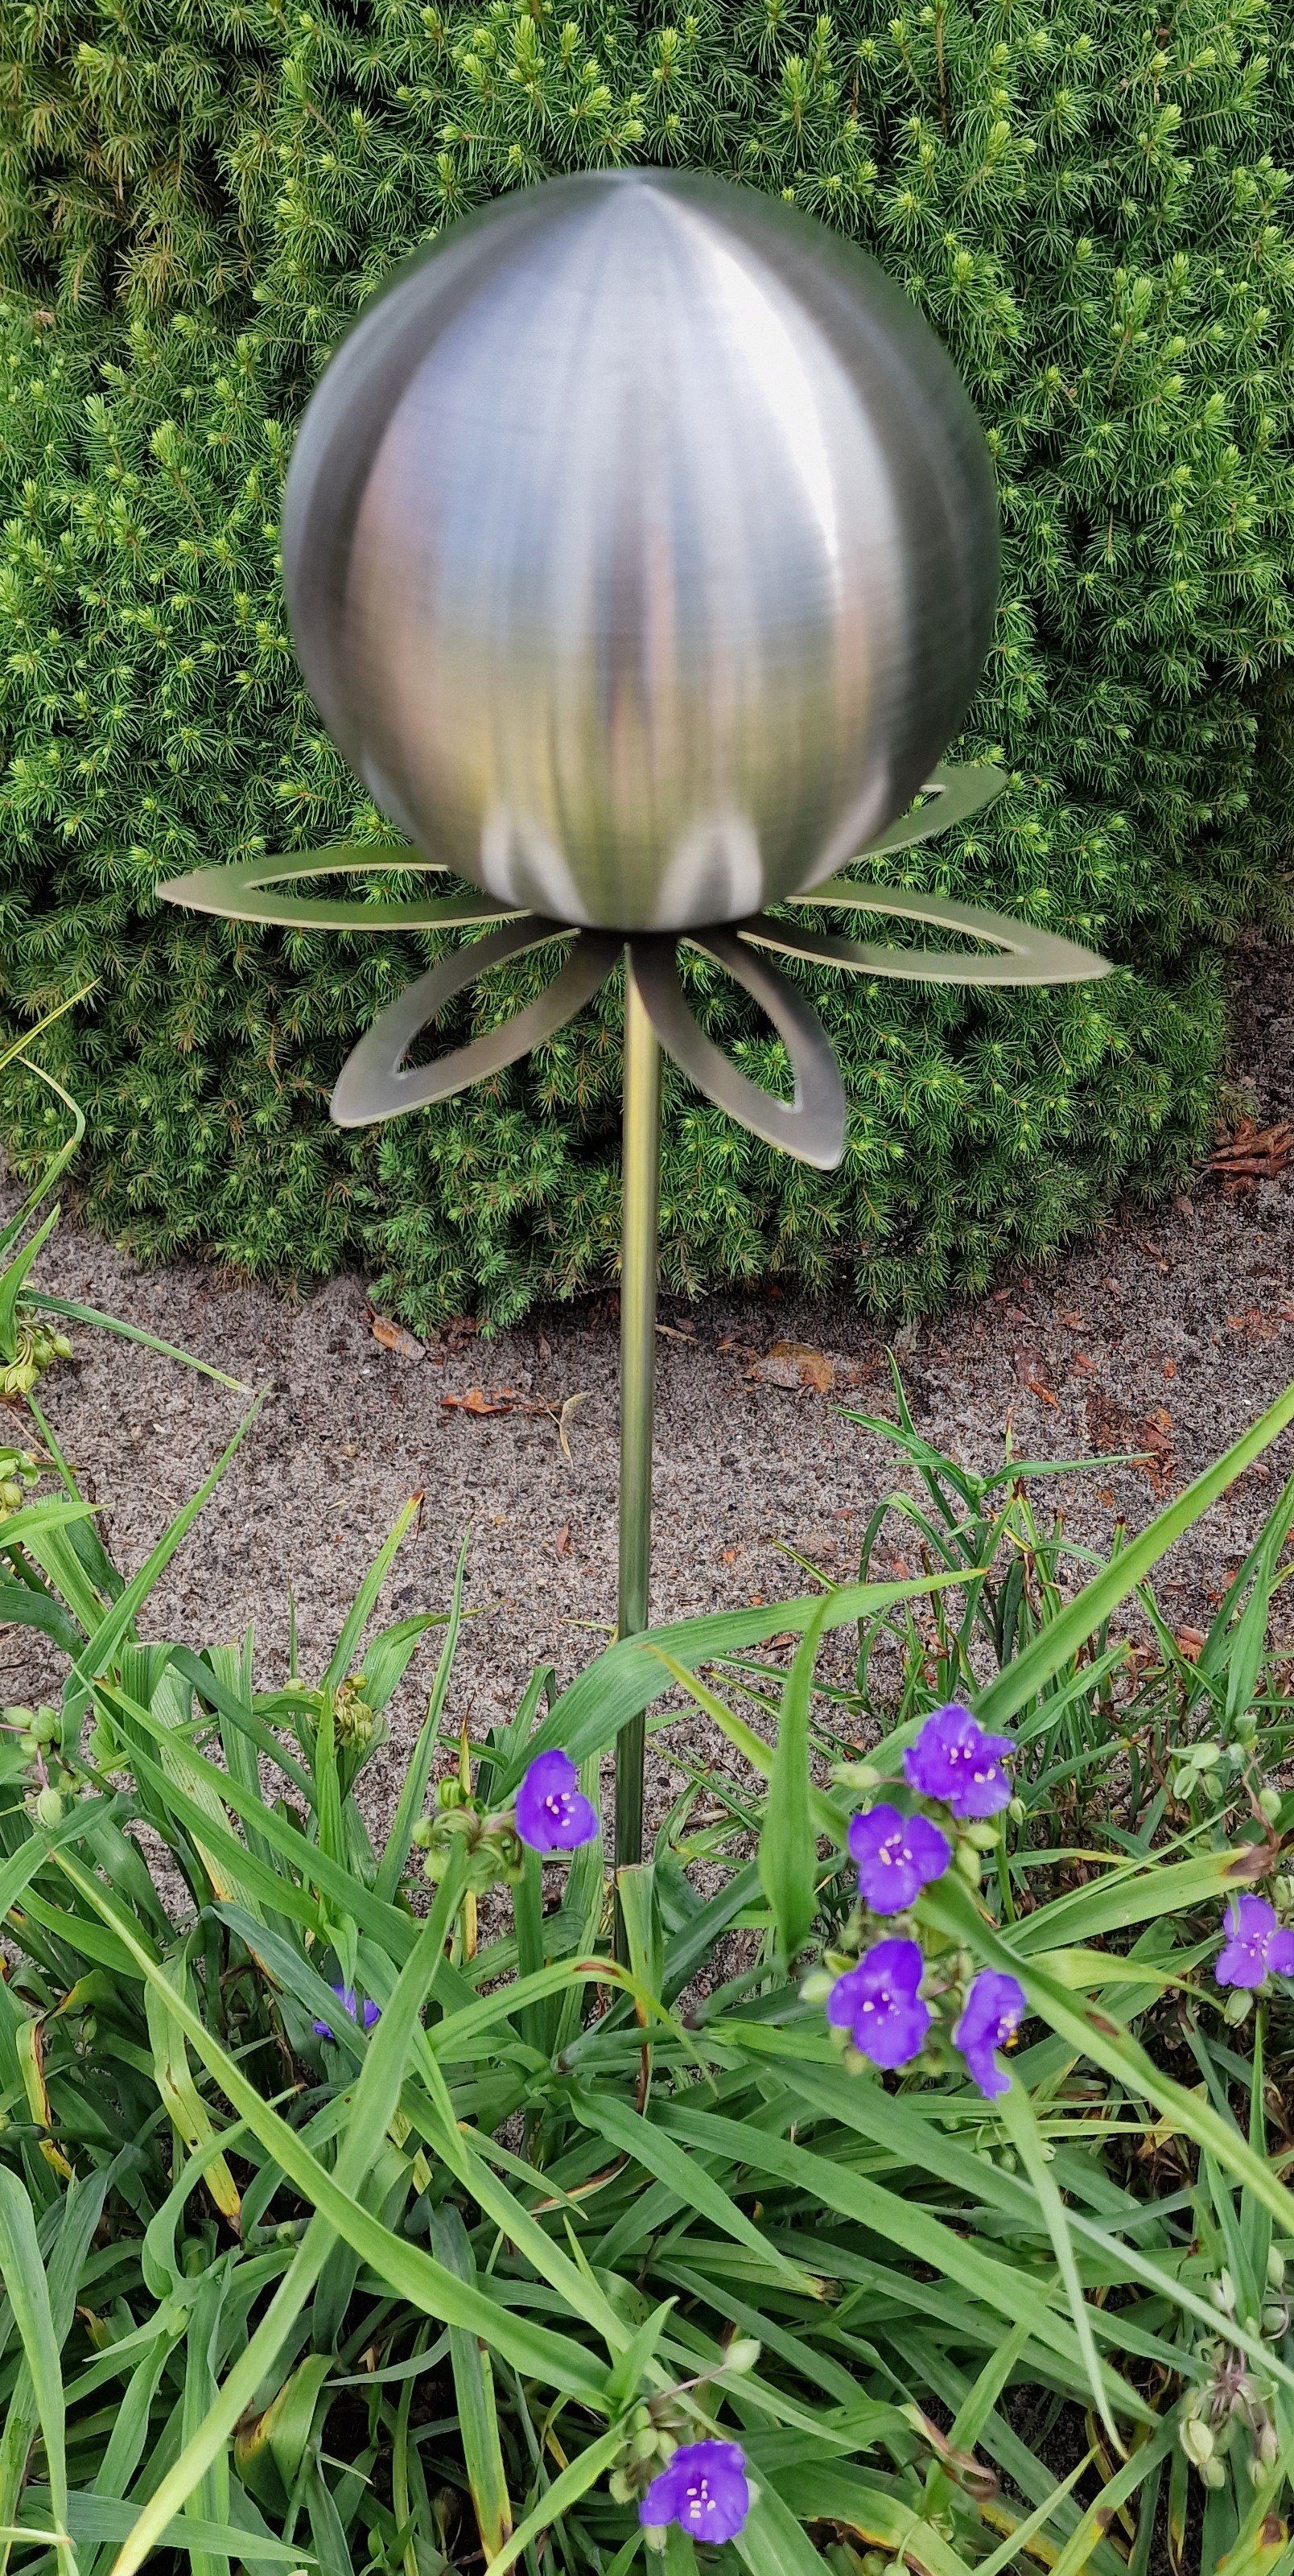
x: 900, y: 1998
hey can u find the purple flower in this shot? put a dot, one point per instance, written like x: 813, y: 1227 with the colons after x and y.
x: 1257, y: 1947
x: 879, y: 2003
x: 366, y: 2013
x: 897, y: 1856
x: 993, y: 2014
x: 953, y: 1760
x: 704, y: 2489
x: 552, y: 1812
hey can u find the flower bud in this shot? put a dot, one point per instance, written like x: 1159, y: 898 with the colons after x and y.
x: 1205, y: 1755
x: 1213, y: 2473
x: 1196, y: 2440
x: 1223, y: 2293
x: 49, y: 1807
x: 968, y: 1862
x: 1237, y: 2007
x: 1271, y: 1802
x: 983, y: 1838
x: 1016, y: 1811
x: 856, y: 1775
x: 421, y: 1834
x: 1184, y: 1781
x: 1275, y: 2268
x: 1245, y: 1726
x: 742, y: 2353
x: 816, y: 1987
x: 1275, y: 2318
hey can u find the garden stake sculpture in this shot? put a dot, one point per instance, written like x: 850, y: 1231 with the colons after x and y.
x: 640, y: 551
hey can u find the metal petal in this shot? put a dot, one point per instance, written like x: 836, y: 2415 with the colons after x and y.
x: 243, y: 892
x: 955, y: 795
x: 812, y: 1125
x: 1024, y: 954
x: 374, y: 1082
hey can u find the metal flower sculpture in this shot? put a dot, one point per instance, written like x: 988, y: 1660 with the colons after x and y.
x: 640, y: 550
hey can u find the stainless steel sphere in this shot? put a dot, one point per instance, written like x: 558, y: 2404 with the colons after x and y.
x: 641, y: 550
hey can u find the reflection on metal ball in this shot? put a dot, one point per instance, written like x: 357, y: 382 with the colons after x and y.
x: 641, y: 550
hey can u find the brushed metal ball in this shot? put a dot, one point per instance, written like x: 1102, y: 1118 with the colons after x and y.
x: 641, y: 550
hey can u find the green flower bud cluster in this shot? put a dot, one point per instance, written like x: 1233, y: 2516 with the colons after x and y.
x: 1210, y: 1770
x: 35, y: 1350
x: 18, y: 1470
x: 1206, y: 1769
x: 494, y: 1853
x: 38, y: 1733
x: 1234, y: 2398
x: 353, y: 1719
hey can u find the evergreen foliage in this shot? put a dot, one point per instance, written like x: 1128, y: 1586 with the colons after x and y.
x: 196, y: 195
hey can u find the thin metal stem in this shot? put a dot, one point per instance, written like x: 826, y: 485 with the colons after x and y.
x: 638, y: 1260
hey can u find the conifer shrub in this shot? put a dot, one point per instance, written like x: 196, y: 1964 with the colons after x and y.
x: 197, y: 195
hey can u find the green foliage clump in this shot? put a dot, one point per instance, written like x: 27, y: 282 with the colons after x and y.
x: 1084, y: 195
x: 349, y: 2223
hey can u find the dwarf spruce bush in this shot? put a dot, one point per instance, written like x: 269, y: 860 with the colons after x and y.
x: 1086, y: 198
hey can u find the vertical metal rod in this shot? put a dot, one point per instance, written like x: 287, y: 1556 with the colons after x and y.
x: 640, y: 1232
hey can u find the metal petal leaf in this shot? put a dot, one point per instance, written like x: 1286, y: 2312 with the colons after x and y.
x: 1023, y: 953
x: 245, y: 891
x: 812, y: 1125
x: 375, y: 1083
x: 955, y: 795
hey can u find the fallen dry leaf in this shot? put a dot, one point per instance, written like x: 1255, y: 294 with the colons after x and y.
x: 393, y: 1337
x: 509, y: 1399
x: 479, y: 1399
x: 1250, y: 1154
x: 1028, y: 1369
x: 562, y: 1542
x: 796, y: 1366
x: 1188, y: 1642
x: 563, y: 1417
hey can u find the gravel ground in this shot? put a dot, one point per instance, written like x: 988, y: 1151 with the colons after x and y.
x: 1170, y: 1334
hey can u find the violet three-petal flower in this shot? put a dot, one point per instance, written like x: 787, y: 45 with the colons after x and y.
x: 897, y: 1856
x: 1257, y: 1946
x: 552, y: 1812
x: 879, y: 2003
x: 993, y: 2013
x: 704, y: 2489
x: 365, y: 2014
x: 954, y: 1761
